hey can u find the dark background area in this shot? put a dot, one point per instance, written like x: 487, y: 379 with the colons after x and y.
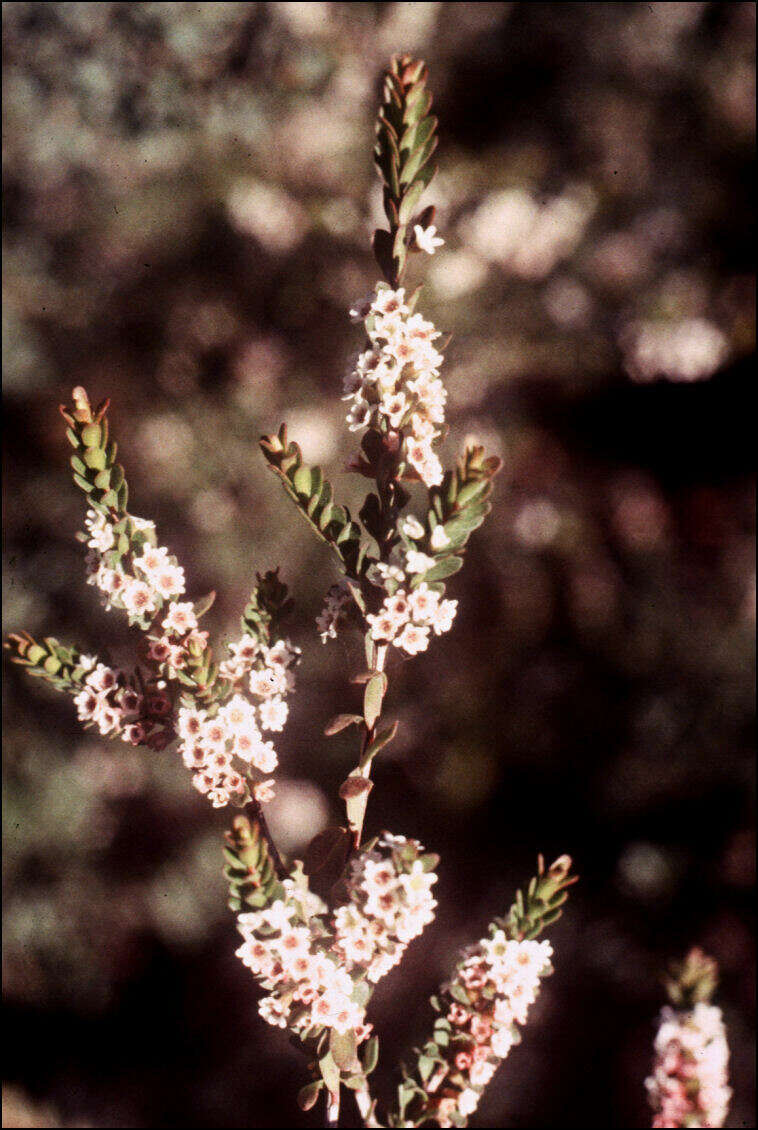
x: 188, y: 204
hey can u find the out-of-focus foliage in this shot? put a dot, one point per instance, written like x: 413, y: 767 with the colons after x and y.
x: 189, y: 199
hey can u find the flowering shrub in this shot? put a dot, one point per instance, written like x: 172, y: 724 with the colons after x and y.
x: 318, y: 953
x: 688, y: 1086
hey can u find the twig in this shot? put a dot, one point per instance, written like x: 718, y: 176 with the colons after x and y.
x: 366, y: 1105
x: 332, y: 1109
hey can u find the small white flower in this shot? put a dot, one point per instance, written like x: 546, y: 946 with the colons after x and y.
x: 269, y: 681
x: 468, y: 1101
x: 413, y: 639
x: 412, y: 528
x: 264, y: 756
x: 388, y: 301
x: 264, y: 791
x: 427, y: 239
x: 138, y: 598
x: 102, y: 679
x: 383, y: 626
x: 424, y: 603
x: 273, y: 713
x: 443, y: 616
x: 361, y: 309
x: 238, y: 715
x: 359, y: 415
x: 180, y: 619
x: 417, y: 562
x: 168, y: 580
x: 439, y: 539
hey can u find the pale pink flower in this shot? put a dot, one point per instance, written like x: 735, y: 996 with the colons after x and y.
x: 413, y: 639
x: 138, y: 598
x: 180, y: 619
x: 102, y: 678
x: 264, y: 791
x: 273, y: 714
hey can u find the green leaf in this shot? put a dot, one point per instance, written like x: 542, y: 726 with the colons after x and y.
x: 341, y: 722
x: 444, y: 568
x: 343, y: 1047
x: 417, y: 105
x: 372, y: 698
x: 383, y: 738
x: 417, y: 136
x: 330, y: 1073
x: 94, y: 457
x: 417, y: 160
x: 370, y: 1054
x: 425, y: 1067
x: 91, y: 435
x: 470, y: 490
x: 354, y: 791
x: 409, y: 202
x: 202, y: 605
x: 307, y: 1096
x: 301, y: 480
x: 429, y: 861
x: 457, y: 992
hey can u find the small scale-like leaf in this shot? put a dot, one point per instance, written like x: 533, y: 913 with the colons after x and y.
x: 417, y: 105
x: 409, y: 202
x: 417, y: 160
x: 459, y: 993
x: 425, y: 1067
x: 91, y: 435
x: 301, y: 480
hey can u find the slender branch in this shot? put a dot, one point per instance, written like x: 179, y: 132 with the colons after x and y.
x: 366, y: 1105
x: 332, y: 1109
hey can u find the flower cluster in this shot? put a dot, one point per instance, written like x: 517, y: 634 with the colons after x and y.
x: 688, y: 1086
x: 155, y: 576
x: 118, y: 707
x: 394, y: 384
x: 289, y: 951
x: 390, y: 903
x: 411, y: 608
x: 316, y: 975
x: 490, y: 994
x: 223, y: 743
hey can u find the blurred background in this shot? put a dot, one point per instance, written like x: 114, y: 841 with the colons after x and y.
x: 189, y: 197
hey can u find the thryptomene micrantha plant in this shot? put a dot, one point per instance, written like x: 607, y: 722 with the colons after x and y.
x: 319, y: 935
